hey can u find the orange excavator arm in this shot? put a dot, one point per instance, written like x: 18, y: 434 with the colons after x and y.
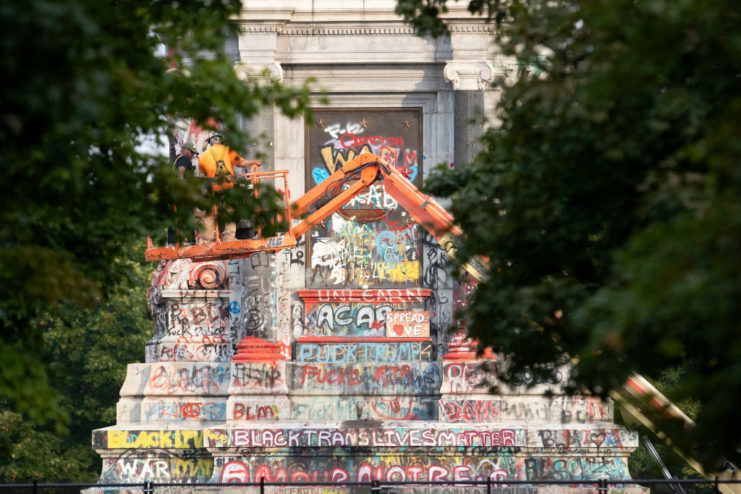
x: 326, y: 198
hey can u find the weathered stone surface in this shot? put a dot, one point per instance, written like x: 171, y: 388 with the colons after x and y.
x: 377, y: 408
x: 256, y: 408
x: 177, y: 379
x: 478, y: 408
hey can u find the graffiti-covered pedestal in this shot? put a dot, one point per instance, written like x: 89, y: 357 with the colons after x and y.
x: 361, y: 392
x: 333, y: 362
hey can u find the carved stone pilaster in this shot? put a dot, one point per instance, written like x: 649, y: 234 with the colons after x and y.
x: 469, y: 75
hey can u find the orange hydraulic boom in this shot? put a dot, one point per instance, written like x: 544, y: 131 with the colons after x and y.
x: 341, y: 187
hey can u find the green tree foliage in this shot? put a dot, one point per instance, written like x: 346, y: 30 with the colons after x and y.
x: 84, y: 83
x: 609, y: 200
x: 87, y: 352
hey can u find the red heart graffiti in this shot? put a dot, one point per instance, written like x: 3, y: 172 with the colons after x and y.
x: 398, y: 329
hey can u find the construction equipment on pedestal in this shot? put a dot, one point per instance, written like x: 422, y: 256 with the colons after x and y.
x: 332, y: 193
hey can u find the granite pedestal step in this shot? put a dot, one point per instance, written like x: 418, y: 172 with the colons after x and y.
x: 363, y: 451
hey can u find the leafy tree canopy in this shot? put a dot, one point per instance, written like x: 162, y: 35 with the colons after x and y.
x: 87, y: 351
x: 609, y: 200
x: 84, y: 83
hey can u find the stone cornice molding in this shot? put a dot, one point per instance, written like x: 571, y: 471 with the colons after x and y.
x: 469, y: 75
x: 259, y: 28
x: 352, y: 30
x: 345, y: 30
x: 471, y: 28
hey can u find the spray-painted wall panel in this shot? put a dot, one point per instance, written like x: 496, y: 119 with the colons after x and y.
x: 162, y: 466
x: 357, y: 313
x: 437, y: 438
x: 256, y: 408
x: 348, y: 319
x: 341, y: 408
x: 213, y: 348
x: 370, y: 352
x: 353, y: 436
x: 190, y: 304
x: 501, y: 466
x: 177, y: 378
x: 472, y: 377
x: 258, y: 378
x: 259, y: 297
x: 414, y: 378
x: 180, y: 439
x: 480, y: 409
x: 371, y: 241
x: 177, y: 411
